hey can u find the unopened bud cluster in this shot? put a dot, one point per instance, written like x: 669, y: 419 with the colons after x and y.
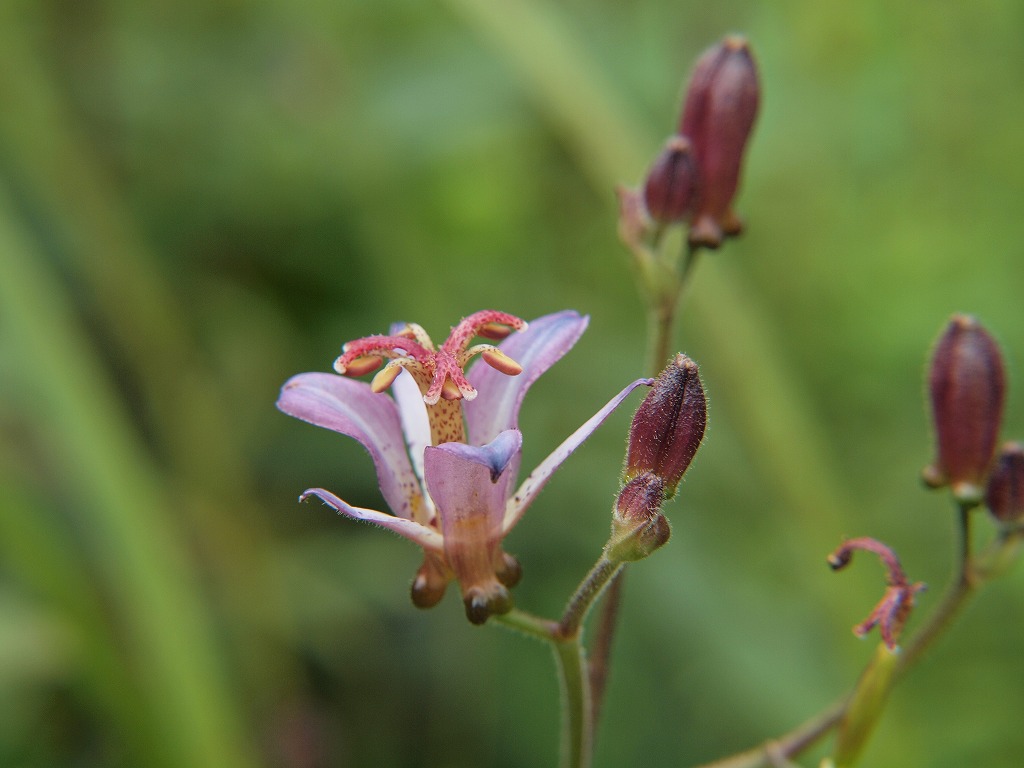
x: 967, y: 387
x: 666, y: 432
x: 695, y: 177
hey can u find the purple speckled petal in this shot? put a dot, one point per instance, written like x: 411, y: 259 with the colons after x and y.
x: 536, y: 349
x: 428, y: 538
x: 349, y: 407
x: 470, y: 484
x: 537, y: 479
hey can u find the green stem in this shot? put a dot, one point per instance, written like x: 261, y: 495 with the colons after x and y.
x: 577, y: 723
x: 788, y: 745
x: 965, y: 584
x: 601, y: 650
x: 528, y: 624
x: 586, y: 593
x: 574, y: 682
x: 974, y: 572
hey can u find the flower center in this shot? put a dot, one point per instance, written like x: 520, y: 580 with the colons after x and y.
x: 438, y: 372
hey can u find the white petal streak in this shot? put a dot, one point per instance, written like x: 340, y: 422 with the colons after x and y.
x: 415, y: 424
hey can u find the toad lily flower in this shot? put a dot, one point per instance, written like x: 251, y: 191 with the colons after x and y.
x: 446, y: 446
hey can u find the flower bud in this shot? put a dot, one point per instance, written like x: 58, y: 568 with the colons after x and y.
x: 668, y: 426
x: 638, y: 527
x: 967, y: 384
x: 718, y: 115
x: 671, y: 183
x: 640, y: 499
x: 1004, y: 496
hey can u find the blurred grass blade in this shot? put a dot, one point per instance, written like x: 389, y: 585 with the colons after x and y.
x: 42, y: 559
x: 129, y: 520
x: 567, y: 86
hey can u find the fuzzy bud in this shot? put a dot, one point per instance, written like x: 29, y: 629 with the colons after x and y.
x: 967, y: 384
x: 671, y: 184
x: 638, y: 527
x: 1004, y: 496
x: 718, y: 116
x: 668, y: 426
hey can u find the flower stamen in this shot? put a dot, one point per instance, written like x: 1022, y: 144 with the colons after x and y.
x: 438, y: 372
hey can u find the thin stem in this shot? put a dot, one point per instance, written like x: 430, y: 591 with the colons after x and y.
x: 577, y: 723
x: 604, y: 638
x: 972, y: 574
x: 957, y: 594
x: 577, y: 739
x: 793, y: 743
x: 586, y: 593
x: 528, y: 624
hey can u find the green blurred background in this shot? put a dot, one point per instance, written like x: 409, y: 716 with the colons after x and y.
x: 199, y: 199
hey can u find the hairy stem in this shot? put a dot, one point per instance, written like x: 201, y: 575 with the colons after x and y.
x: 586, y: 593
x: 577, y: 730
x: 528, y: 624
x: 604, y: 638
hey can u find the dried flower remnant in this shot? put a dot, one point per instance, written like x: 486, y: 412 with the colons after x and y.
x: 718, y: 115
x: 446, y: 447
x: 967, y: 385
x: 1004, y: 495
x: 893, y: 610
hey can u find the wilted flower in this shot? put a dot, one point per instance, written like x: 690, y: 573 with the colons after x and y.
x: 447, y: 447
x: 894, y: 608
x: 718, y: 115
x: 1004, y: 495
x: 967, y: 385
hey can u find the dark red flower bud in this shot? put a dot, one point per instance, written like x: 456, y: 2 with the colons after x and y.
x: 669, y: 190
x: 1004, y: 496
x: 668, y: 426
x: 718, y: 115
x: 640, y: 499
x: 638, y: 527
x: 967, y: 384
